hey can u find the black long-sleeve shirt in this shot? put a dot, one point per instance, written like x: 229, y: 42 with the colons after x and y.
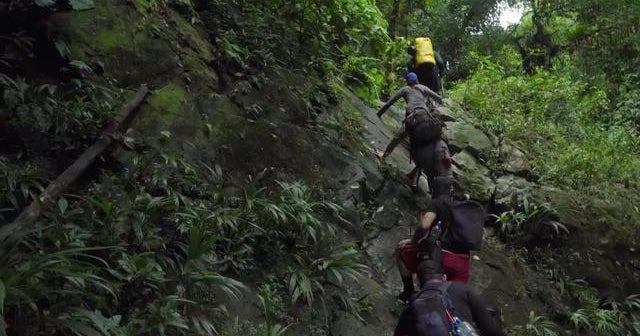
x: 467, y: 305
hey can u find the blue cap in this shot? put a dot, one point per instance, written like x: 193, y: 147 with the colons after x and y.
x: 412, y: 77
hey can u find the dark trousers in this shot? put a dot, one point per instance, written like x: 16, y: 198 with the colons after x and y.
x: 428, y: 75
x: 435, y: 160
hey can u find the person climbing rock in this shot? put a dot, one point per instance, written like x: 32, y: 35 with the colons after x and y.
x: 443, y: 308
x: 435, y: 159
x: 426, y: 63
x: 416, y: 97
x: 437, y: 242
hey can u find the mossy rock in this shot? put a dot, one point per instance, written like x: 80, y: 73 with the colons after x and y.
x: 500, y: 278
x: 193, y: 38
x: 511, y: 190
x: 465, y: 136
x: 129, y: 48
x: 168, y: 100
x: 591, y: 220
x: 473, y: 177
x: 134, y: 48
x: 446, y: 114
x: 171, y: 120
x: 119, y: 35
x: 144, y: 6
x: 514, y: 160
x: 379, y: 312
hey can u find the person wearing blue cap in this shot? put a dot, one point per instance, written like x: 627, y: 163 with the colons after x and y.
x: 415, y: 96
x: 419, y: 102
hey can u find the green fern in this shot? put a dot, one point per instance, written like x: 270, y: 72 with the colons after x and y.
x: 580, y: 320
x: 538, y: 325
x: 607, y: 322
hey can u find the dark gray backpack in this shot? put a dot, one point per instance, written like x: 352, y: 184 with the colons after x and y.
x: 424, y: 127
x: 430, y: 309
x: 467, y: 224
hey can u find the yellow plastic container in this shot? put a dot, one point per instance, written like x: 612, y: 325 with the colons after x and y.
x: 424, y: 51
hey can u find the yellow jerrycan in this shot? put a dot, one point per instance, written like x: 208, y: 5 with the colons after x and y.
x: 424, y: 51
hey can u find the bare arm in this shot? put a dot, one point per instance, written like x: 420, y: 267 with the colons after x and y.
x: 399, y: 94
x: 428, y: 92
x: 425, y: 220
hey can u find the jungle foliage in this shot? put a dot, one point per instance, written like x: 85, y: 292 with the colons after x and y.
x: 153, y: 249
x: 565, y: 89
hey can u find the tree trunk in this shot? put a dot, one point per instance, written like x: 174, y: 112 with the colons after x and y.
x: 29, y: 215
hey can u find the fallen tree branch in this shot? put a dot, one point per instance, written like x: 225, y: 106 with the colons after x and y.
x: 71, y: 174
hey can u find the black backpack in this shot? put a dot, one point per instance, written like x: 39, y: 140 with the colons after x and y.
x: 423, y: 127
x: 432, y: 309
x: 467, y: 224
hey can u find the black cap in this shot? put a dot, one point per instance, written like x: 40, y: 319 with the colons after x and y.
x: 429, y: 269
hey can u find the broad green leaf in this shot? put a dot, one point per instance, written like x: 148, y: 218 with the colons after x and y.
x: 63, y: 204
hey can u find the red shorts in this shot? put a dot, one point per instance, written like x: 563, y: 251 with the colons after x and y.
x: 409, y: 256
x: 456, y: 266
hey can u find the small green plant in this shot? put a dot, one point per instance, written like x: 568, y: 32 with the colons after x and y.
x: 607, y: 321
x: 270, y: 303
x: 608, y: 318
x: 580, y: 320
x: 325, y: 277
x: 538, y: 325
x: 531, y: 222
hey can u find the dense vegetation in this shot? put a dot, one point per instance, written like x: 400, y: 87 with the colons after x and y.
x: 151, y: 248
x: 574, y: 109
x: 142, y: 249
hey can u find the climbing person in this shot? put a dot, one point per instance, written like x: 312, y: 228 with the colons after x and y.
x: 415, y: 96
x: 444, y: 308
x: 457, y: 231
x: 426, y: 63
x: 435, y: 159
x: 417, y: 101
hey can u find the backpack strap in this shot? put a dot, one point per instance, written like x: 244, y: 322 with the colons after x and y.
x: 449, y: 310
x: 446, y: 300
x: 421, y: 294
x: 442, y: 289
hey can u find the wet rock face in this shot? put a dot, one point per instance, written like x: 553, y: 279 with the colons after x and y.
x: 446, y: 114
x: 514, y: 160
x: 393, y: 218
x: 511, y: 190
x: 464, y: 136
x: 379, y: 318
x: 472, y: 177
x: 134, y: 51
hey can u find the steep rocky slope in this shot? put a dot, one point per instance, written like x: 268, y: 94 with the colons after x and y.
x: 293, y: 124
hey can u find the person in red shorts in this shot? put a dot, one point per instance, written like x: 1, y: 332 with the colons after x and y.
x: 429, y: 242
